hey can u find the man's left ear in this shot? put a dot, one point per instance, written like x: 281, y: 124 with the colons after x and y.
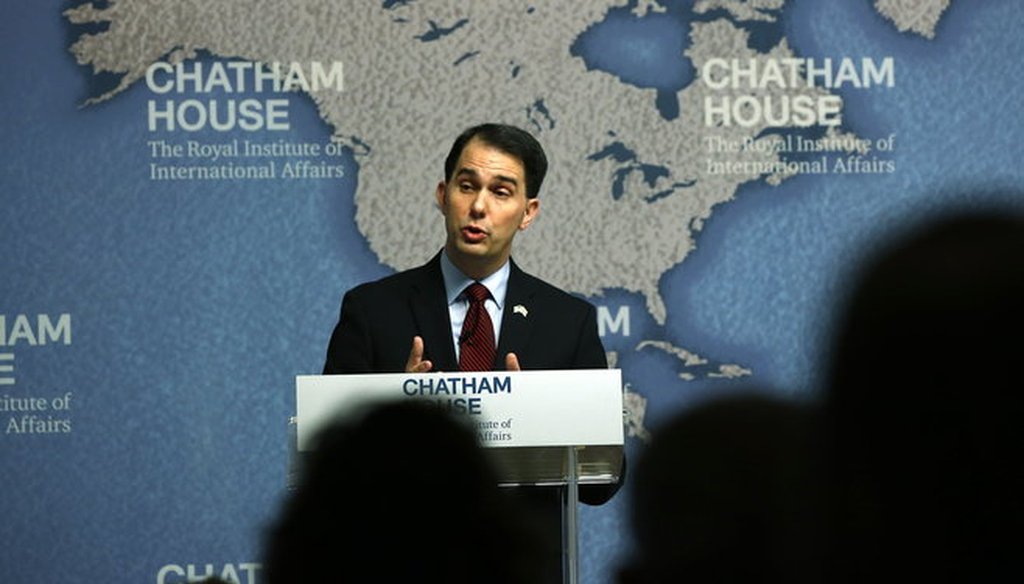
x: 532, y: 208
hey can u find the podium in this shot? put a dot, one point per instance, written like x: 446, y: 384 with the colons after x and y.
x: 540, y: 428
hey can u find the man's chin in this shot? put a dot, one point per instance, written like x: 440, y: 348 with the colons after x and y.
x: 472, y: 257
x: 472, y: 249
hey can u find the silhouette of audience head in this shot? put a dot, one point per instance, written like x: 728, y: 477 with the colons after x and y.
x: 724, y: 493
x: 924, y: 408
x: 400, y: 493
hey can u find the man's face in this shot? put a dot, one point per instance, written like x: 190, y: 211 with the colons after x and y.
x: 484, y: 204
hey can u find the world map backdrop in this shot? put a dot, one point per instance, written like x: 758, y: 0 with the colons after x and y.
x: 190, y: 187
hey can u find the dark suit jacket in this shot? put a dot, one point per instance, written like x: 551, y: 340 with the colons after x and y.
x: 379, y: 319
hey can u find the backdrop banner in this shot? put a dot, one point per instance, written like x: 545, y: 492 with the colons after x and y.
x: 189, y: 189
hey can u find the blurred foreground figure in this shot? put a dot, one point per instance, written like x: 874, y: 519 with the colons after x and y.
x: 400, y: 494
x: 725, y: 493
x: 925, y: 410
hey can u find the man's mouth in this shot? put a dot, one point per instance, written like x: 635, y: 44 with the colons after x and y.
x: 473, y: 234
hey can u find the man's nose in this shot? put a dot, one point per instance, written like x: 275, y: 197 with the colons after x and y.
x: 479, y: 204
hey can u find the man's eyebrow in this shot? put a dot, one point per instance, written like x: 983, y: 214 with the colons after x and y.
x: 472, y: 172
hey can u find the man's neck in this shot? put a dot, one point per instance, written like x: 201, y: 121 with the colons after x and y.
x: 475, y: 270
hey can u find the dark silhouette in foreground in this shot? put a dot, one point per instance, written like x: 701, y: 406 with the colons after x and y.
x: 725, y: 493
x: 402, y: 493
x: 924, y: 412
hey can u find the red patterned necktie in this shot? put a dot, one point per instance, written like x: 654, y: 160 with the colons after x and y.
x: 476, y: 340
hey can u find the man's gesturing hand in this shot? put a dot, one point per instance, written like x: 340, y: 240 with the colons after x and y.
x: 416, y: 364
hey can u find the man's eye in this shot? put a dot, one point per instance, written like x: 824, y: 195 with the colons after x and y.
x: 503, y: 193
x: 466, y: 187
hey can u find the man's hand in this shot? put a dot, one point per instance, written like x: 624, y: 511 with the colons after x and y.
x: 416, y: 364
x: 511, y: 362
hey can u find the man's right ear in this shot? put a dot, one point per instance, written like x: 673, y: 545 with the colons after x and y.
x: 441, y: 195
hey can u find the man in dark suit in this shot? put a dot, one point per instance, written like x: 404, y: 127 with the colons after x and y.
x: 412, y: 321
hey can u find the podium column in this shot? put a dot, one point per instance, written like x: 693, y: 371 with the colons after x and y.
x: 570, y: 520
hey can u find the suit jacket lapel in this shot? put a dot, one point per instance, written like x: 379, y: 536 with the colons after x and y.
x: 516, y: 325
x: 429, y: 306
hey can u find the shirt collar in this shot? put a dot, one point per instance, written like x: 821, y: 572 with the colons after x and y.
x: 455, y: 281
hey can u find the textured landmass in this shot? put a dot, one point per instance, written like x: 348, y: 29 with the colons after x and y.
x: 405, y: 97
x: 628, y: 190
x: 742, y: 9
x: 688, y: 358
x: 692, y: 363
x: 635, y: 406
x: 919, y: 16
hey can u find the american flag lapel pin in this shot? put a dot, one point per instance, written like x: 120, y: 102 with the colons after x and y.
x: 520, y: 309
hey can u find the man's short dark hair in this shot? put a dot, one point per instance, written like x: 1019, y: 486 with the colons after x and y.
x: 510, y: 140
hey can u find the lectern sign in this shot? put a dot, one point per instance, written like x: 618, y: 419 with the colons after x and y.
x: 508, y: 408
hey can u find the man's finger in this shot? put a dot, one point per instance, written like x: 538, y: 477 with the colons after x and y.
x: 511, y: 362
x: 415, y: 363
